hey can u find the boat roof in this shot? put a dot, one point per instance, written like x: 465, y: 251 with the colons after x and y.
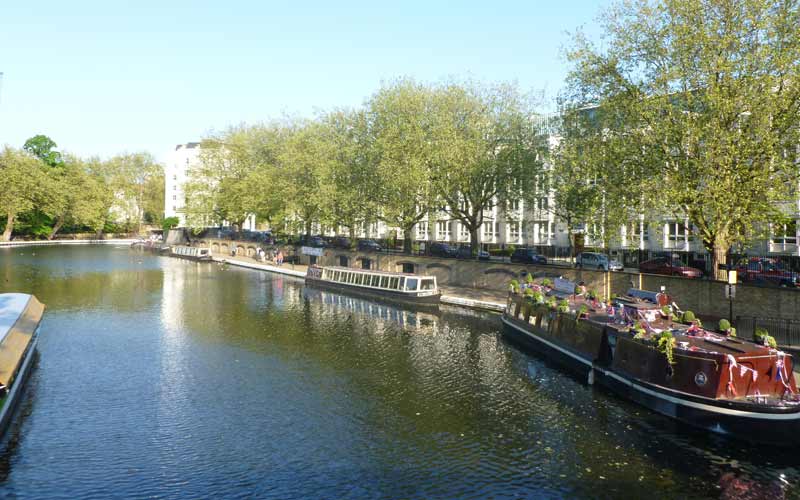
x: 375, y: 271
x: 20, y: 315
x: 12, y: 305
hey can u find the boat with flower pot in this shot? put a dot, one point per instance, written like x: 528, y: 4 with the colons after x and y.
x: 635, y: 346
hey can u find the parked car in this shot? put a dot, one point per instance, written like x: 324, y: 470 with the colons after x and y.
x: 528, y: 255
x: 594, y: 260
x: 669, y: 266
x: 341, y: 242
x: 369, y: 246
x: 442, y: 250
x: 767, y: 271
x: 311, y: 241
x: 466, y: 253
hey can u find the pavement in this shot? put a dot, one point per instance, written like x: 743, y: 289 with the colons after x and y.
x: 473, y: 298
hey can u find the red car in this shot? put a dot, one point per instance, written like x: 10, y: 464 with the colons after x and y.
x: 671, y: 267
x: 767, y: 271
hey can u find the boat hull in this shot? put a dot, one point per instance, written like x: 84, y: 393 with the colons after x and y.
x: 778, y: 426
x: 17, y: 389
x: 377, y: 294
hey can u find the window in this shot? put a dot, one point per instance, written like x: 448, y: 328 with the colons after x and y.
x: 422, y: 230
x: 174, y: 177
x: 443, y: 230
x: 343, y: 260
x: 677, y: 232
x: 174, y: 197
x: 544, y: 231
x: 463, y: 232
x: 490, y: 230
x: 174, y: 187
x: 384, y: 282
x: 513, y: 205
x: 393, y: 283
x: 411, y: 283
x: 427, y: 284
x: 174, y: 208
x: 376, y: 280
x: 402, y: 284
x: 784, y: 234
x: 513, y: 231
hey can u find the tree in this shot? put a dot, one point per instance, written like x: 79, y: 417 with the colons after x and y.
x: 129, y: 177
x: 398, y: 117
x: 306, y: 161
x: 349, y: 202
x: 42, y: 147
x: 20, y: 179
x: 486, y: 148
x: 76, y: 196
x: 704, y: 95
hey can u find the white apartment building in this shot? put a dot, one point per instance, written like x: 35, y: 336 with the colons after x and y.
x: 178, y: 163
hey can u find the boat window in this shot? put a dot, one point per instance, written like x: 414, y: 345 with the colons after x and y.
x: 402, y: 284
x: 411, y: 283
x: 384, y: 282
x: 376, y: 280
x: 359, y: 279
x: 393, y: 283
x: 349, y: 278
x: 427, y: 284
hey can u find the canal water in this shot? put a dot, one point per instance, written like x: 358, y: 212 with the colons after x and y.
x: 163, y: 378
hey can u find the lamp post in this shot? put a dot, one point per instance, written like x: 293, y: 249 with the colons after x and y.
x: 730, y: 292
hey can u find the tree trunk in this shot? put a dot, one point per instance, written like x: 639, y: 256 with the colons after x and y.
x: 473, y: 241
x: 407, y: 239
x: 56, y: 228
x: 308, y: 227
x: 9, y: 227
x: 719, y: 256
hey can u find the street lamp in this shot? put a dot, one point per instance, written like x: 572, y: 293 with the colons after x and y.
x: 730, y: 292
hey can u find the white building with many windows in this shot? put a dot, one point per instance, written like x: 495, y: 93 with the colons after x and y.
x: 178, y: 163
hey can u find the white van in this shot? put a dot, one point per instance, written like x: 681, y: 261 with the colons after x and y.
x: 592, y: 260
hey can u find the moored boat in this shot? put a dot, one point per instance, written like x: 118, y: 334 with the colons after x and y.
x: 401, y: 287
x: 634, y: 347
x: 191, y: 253
x: 20, y: 316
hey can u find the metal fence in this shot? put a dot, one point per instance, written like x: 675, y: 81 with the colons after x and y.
x: 785, y: 331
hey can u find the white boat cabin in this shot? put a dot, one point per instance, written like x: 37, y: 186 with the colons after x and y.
x: 405, y: 283
x: 193, y: 252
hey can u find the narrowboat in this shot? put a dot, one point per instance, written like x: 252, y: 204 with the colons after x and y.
x: 191, y: 253
x: 400, y: 287
x: 634, y: 347
x: 20, y: 317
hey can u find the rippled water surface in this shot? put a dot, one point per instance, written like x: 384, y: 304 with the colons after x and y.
x: 162, y: 378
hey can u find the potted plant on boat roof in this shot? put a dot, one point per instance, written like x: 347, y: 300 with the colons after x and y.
x: 551, y: 304
x: 666, y: 342
x: 563, y: 306
x: 547, y: 283
x: 583, y: 311
x: 513, y: 286
x: 726, y: 328
x: 639, y: 332
x: 529, y: 279
x: 537, y: 297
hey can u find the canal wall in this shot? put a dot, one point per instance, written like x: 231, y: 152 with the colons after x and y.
x: 702, y: 296
x: 43, y: 243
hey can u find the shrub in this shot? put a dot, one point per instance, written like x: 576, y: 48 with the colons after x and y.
x: 529, y: 278
x: 640, y: 332
x: 551, y: 303
x: 563, y: 306
x: 665, y: 344
x: 760, y: 333
x: 514, y: 285
x: 688, y: 317
x: 547, y: 282
x: 528, y: 293
x: 732, y: 332
x: 724, y: 325
x: 583, y: 311
x: 537, y: 296
x: 769, y: 341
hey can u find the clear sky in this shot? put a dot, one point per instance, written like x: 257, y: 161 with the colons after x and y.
x: 107, y: 76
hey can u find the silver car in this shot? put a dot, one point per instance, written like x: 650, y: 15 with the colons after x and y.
x: 593, y: 260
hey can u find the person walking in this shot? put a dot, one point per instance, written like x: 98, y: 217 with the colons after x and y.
x: 280, y: 258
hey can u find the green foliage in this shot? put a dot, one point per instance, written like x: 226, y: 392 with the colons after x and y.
x: 695, y: 102
x: 547, y: 282
x: 666, y: 342
x: 168, y: 223
x: 732, y: 332
x: 760, y: 333
x: 529, y: 278
x: 563, y: 306
x: 591, y: 294
x: 552, y: 304
x: 514, y: 284
x: 639, y: 331
x: 537, y: 297
x: 688, y: 317
x: 724, y: 325
x: 528, y: 293
x: 41, y: 147
x: 583, y: 310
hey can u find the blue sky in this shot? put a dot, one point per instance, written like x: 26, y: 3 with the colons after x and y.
x: 102, y: 77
